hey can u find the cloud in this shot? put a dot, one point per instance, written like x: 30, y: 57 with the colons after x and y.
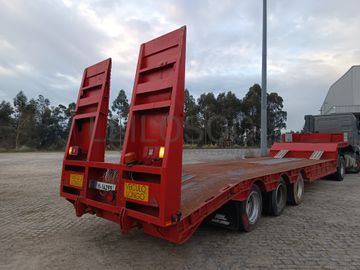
x: 45, y: 45
x: 44, y: 38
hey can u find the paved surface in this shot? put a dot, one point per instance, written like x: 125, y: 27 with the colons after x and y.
x: 39, y: 230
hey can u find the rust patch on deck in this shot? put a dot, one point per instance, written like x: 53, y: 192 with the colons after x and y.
x: 205, y: 180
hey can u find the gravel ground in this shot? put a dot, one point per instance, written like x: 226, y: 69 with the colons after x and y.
x: 39, y: 230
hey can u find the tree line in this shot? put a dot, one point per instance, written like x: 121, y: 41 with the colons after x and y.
x: 221, y: 120
x: 227, y: 121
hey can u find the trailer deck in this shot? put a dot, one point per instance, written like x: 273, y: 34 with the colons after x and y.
x: 205, y: 181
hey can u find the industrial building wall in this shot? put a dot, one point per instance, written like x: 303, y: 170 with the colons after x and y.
x: 344, y: 94
x: 356, y: 84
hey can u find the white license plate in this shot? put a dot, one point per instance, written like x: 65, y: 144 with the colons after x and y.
x: 102, y: 186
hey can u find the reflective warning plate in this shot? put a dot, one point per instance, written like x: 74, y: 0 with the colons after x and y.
x: 136, y: 192
x: 76, y: 180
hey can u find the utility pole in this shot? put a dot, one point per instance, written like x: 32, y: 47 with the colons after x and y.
x: 263, y: 142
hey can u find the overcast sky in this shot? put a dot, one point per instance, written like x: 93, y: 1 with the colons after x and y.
x: 45, y: 45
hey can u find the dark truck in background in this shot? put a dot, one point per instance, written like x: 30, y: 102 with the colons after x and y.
x: 346, y: 123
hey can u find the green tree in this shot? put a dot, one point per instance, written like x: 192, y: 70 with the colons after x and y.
x: 251, y: 107
x: 59, y: 125
x: 276, y: 116
x: 229, y: 113
x: 20, y: 102
x: 220, y: 118
x: 29, y: 137
x: 208, y: 111
x: 120, y: 107
x: 192, y: 131
x: 7, y: 128
x: 23, y: 112
x: 69, y: 114
x: 39, y: 126
x: 43, y: 121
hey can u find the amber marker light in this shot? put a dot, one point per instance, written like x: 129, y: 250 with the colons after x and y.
x: 161, y: 152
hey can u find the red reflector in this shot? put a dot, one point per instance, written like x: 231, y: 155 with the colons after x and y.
x: 107, y: 195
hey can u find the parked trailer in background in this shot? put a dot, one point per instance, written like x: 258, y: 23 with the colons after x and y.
x: 150, y: 188
x: 348, y: 124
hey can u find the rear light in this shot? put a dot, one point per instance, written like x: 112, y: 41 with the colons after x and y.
x: 161, y: 152
x: 73, y: 150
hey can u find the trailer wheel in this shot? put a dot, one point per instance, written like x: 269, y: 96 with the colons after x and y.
x: 357, y: 170
x: 250, y: 210
x: 296, y: 191
x: 340, y: 172
x: 277, y: 198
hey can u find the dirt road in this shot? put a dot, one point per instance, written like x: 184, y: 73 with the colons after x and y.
x: 39, y: 230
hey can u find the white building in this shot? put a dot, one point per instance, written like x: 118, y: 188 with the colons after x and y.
x: 344, y: 94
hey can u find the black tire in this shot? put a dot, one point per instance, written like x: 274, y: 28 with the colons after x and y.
x: 275, y: 202
x: 340, y: 170
x: 250, y: 210
x: 357, y: 169
x: 296, y: 191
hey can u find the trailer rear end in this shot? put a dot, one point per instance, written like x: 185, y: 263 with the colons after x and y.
x: 150, y: 188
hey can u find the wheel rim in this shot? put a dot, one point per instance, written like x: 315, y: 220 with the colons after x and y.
x: 299, y: 188
x: 253, y: 207
x: 280, y: 196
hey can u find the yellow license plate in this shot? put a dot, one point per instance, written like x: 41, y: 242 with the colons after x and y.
x: 136, y: 192
x: 76, y: 180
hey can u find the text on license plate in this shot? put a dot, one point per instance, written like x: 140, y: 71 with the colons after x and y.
x: 102, y: 186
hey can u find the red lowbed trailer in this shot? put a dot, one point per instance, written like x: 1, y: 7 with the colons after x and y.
x: 150, y: 188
